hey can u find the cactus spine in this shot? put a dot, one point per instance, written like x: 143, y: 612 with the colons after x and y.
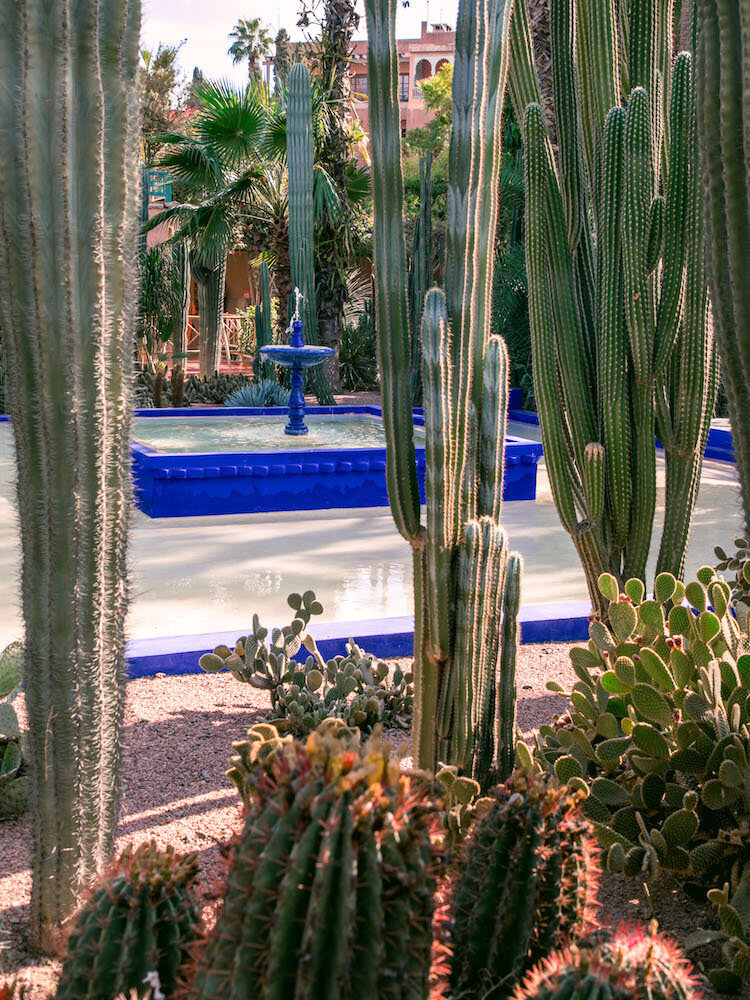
x: 617, y: 295
x: 461, y: 553
x: 330, y: 893
x: 142, y: 918
x: 300, y: 150
x: 526, y: 884
x: 69, y: 126
x: 724, y: 138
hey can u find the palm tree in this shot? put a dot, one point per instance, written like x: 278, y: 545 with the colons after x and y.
x: 216, y: 162
x: 251, y: 42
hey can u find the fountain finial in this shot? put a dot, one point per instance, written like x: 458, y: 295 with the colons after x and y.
x: 298, y: 298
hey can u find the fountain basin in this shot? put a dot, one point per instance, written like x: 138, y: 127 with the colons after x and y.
x: 291, y: 357
x: 224, y: 476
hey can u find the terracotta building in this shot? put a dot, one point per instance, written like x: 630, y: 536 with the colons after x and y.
x: 419, y: 59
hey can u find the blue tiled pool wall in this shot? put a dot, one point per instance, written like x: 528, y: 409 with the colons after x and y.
x: 199, y: 484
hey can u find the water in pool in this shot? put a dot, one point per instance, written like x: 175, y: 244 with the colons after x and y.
x: 226, y: 434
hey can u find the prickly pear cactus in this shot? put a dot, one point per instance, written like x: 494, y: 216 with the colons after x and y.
x: 13, y: 782
x: 463, y: 804
x: 635, y: 962
x: 732, y: 904
x: 338, y: 849
x: 526, y: 883
x: 357, y: 687
x: 656, y: 733
x: 141, y: 918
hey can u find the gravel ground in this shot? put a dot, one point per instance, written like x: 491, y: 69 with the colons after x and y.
x: 178, y: 737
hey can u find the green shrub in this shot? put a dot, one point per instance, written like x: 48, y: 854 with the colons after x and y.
x: 357, y: 688
x: 656, y: 733
x: 268, y: 392
x: 358, y: 363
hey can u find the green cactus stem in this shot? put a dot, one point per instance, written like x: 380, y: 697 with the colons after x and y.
x: 142, y: 917
x: 617, y: 294
x: 460, y: 554
x: 420, y: 271
x: 263, y: 331
x: 299, y: 156
x: 69, y: 195
x: 181, y: 268
x: 722, y: 72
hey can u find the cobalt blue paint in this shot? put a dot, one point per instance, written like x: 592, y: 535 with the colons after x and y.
x: 192, y: 484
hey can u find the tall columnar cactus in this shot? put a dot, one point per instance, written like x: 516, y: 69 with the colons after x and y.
x: 331, y: 887
x: 300, y: 150
x: 617, y: 296
x: 181, y: 276
x: 420, y: 271
x: 143, y: 917
x: 723, y: 142
x: 526, y: 884
x: 263, y: 331
x: 68, y: 218
x: 461, y: 558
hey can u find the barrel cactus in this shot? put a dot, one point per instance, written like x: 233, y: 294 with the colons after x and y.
x: 141, y: 918
x: 526, y: 884
x: 330, y: 890
x: 635, y: 962
x: 465, y: 581
x: 723, y: 143
x: 69, y: 209
x: 617, y: 293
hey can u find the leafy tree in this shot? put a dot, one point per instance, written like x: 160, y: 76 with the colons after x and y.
x: 252, y: 42
x: 191, y: 91
x: 438, y: 96
x: 158, y: 82
x: 282, y: 61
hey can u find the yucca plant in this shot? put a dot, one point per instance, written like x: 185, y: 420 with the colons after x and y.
x: 69, y: 191
x: 617, y: 294
x: 466, y: 585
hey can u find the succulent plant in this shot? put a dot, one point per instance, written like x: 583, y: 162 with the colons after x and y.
x: 739, y: 564
x: 617, y: 290
x: 463, y: 803
x: 420, y: 271
x: 656, y: 733
x: 636, y: 962
x: 734, y: 914
x: 526, y: 883
x: 263, y: 330
x: 267, y: 392
x: 141, y: 918
x: 357, y: 687
x: 331, y: 885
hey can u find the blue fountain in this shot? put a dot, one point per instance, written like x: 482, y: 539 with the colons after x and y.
x: 296, y: 355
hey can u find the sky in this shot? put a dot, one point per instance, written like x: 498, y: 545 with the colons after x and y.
x: 205, y: 25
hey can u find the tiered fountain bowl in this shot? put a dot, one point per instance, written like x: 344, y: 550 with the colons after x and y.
x: 297, y: 355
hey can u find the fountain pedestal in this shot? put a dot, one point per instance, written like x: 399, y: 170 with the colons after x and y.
x: 297, y: 355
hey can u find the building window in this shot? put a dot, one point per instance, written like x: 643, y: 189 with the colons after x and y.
x: 441, y: 63
x: 360, y: 88
x: 403, y: 129
x: 403, y: 87
x: 422, y: 72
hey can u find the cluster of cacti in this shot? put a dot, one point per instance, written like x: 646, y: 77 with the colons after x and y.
x: 420, y: 267
x: 739, y: 564
x: 267, y: 392
x: 657, y: 733
x: 634, y: 963
x: 68, y: 295
x: 722, y: 65
x: 466, y: 585
x: 13, y: 782
x: 734, y: 913
x: 357, y: 688
x: 214, y: 389
x: 463, y: 804
x: 617, y: 294
x: 526, y: 884
x: 263, y: 330
x: 331, y: 885
x: 300, y: 152
x: 141, y: 918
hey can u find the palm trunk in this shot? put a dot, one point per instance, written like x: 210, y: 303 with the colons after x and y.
x: 210, y: 276
x: 181, y: 263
